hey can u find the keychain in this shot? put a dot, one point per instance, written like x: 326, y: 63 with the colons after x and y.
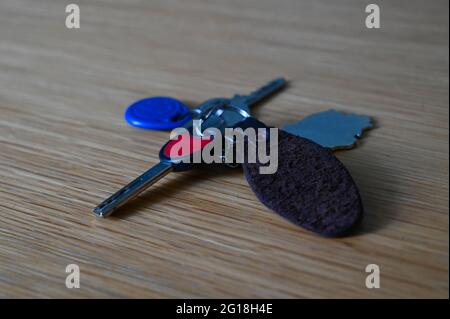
x: 311, y: 187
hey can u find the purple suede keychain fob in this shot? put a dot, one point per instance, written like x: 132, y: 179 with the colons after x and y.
x: 311, y: 187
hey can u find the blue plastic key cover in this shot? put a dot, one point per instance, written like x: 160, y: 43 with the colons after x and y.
x: 158, y: 113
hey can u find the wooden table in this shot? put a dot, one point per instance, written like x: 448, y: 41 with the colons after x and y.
x: 64, y: 147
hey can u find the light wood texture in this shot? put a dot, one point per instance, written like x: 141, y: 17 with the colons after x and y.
x: 64, y: 147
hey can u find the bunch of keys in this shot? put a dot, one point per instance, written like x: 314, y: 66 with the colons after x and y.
x: 212, y: 113
x: 311, y: 188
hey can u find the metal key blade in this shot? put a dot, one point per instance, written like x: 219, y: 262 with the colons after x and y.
x: 133, y: 189
x: 245, y: 101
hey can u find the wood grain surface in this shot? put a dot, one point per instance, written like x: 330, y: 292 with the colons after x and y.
x: 64, y: 147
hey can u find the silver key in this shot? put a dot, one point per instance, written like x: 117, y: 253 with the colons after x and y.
x: 133, y: 189
x: 242, y: 103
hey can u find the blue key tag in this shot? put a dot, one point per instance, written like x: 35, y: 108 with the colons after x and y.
x: 158, y: 113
